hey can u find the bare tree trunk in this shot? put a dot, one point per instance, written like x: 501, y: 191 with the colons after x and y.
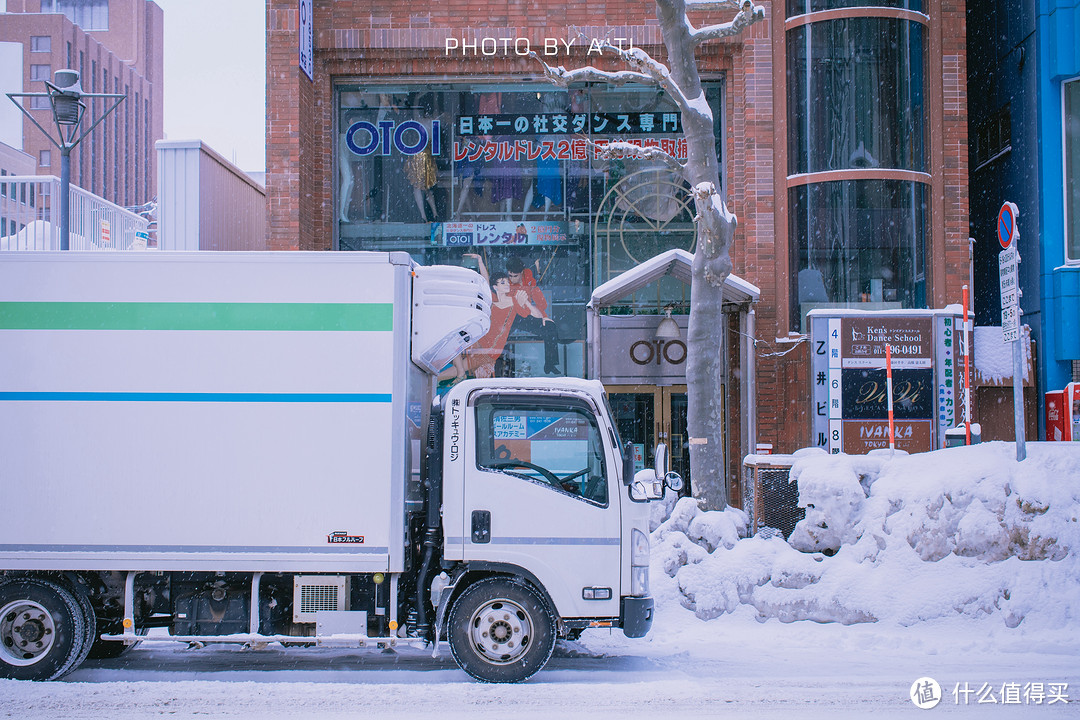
x: 714, y: 224
x: 715, y: 228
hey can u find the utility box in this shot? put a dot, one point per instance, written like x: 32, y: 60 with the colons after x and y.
x: 1063, y: 414
x: 957, y: 436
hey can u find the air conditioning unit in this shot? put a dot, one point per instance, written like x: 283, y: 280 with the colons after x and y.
x: 319, y: 593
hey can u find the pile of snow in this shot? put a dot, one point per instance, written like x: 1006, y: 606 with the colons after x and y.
x: 903, y: 539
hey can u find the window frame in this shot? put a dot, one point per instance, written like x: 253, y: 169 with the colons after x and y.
x: 1067, y: 211
x: 532, y: 404
x: 35, y: 72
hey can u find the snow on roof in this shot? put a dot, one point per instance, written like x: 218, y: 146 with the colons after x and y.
x: 677, y: 263
x: 857, y: 311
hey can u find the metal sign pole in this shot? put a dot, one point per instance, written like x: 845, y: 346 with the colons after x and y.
x: 1018, y: 400
x: 888, y: 394
x: 1009, y: 278
x: 967, y: 370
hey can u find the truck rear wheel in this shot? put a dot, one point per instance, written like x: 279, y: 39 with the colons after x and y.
x: 42, y: 630
x: 501, y: 631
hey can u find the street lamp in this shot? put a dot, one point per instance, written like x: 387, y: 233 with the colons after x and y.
x: 66, y: 96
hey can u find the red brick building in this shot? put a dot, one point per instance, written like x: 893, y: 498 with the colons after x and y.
x: 841, y: 132
x: 116, y: 45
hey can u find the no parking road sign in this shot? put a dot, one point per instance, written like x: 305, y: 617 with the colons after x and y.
x: 1009, y: 272
x: 1006, y: 225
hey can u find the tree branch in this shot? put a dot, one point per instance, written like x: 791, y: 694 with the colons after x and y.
x: 563, y: 77
x: 748, y: 15
x: 612, y: 150
x: 648, y: 70
x: 713, y: 5
x: 646, y: 64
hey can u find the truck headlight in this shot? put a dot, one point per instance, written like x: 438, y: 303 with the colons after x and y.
x: 639, y: 563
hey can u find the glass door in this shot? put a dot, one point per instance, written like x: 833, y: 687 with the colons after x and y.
x: 674, y: 399
x: 646, y: 415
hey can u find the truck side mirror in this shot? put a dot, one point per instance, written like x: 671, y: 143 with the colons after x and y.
x: 645, y: 488
x: 661, y: 463
x: 628, y: 464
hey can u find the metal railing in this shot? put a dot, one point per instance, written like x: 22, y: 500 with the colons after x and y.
x: 30, y: 218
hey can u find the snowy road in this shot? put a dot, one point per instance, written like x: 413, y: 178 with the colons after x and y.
x: 1001, y: 637
x: 734, y: 667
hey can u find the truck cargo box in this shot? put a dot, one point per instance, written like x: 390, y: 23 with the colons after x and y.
x: 211, y: 411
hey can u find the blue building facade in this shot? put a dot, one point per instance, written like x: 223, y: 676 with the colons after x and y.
x: 1024, y: 115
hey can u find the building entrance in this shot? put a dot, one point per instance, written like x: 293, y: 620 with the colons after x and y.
x: 647, y: 415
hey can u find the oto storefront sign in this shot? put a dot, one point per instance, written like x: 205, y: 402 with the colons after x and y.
x: 633, y: 354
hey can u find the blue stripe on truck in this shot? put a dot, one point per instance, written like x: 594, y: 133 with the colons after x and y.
x: 197, y: 397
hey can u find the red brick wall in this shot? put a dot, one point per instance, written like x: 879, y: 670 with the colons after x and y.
x: 137, y: 27
x: 391, y: 38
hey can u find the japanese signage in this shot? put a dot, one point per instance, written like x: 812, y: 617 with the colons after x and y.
x: 307, y: 39
x: 1008, y: 275
x: 569, y: 123
x: 850, y: 401
x: 463, y: 234
x: 553, y: 149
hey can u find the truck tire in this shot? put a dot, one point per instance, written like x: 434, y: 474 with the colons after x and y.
x: 42, y: 630
x: 89, y: 623
x: 501, y: 631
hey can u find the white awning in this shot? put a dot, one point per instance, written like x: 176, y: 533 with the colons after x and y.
x: 676, y: 263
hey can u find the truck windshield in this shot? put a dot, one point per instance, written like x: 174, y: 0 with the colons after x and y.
x: 558, y: 445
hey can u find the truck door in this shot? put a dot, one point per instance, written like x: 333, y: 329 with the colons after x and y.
x: 540, y: 495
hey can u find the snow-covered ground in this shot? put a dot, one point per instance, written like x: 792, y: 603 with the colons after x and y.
x: 960, y: 565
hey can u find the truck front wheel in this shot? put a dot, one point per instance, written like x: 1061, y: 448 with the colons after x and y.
x: 501, y: 631
x: 42, y: 630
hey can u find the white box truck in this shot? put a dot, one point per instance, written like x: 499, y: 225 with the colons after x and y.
x: 248, y: 447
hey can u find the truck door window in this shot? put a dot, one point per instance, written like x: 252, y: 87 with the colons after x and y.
x: 555, y: 445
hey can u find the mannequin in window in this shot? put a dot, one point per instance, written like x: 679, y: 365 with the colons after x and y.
x: 345, y: 171
x: 420, y: 168
x: 549, y: 181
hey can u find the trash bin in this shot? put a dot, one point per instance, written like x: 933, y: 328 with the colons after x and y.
x: 957, y: 436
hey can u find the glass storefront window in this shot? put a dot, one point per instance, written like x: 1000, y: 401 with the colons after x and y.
x: 857, y: 243
x: 801, y: 7
x: 501, y: 177
x: 1071, y: 91
x: 856, y: 95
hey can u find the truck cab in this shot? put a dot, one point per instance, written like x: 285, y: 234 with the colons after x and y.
x: 536, y: 498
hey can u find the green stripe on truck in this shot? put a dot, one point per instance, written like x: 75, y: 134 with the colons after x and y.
x: 282, y: 317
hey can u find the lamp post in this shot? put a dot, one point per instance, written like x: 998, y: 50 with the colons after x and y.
x: 66, y: 96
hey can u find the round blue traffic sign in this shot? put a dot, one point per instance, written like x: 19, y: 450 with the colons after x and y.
x: 1006, y: 225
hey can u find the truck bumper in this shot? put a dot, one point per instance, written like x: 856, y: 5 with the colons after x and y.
x: 636, y: 616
